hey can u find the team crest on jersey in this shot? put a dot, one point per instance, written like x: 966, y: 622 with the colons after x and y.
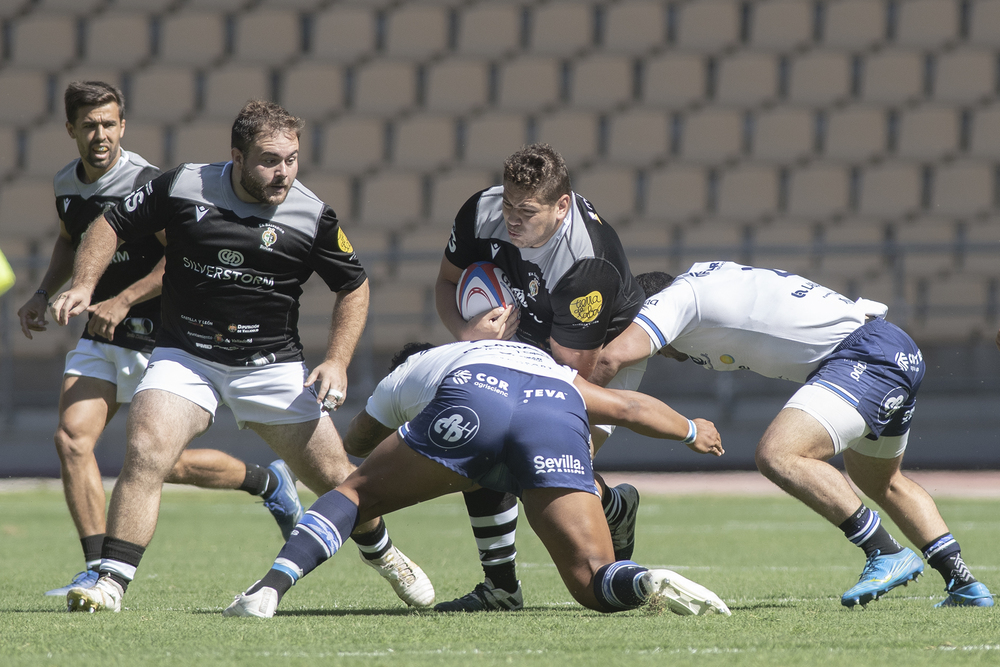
x: 268, y: 237
x: 727, y: 359
x: 533, y: 288
x: 342, y: 242
x: 587, y: 308
x: 453, y: 427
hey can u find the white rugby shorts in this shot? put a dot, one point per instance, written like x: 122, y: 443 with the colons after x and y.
x: 120, y: 366
x: 263, y: 394
x: 846, y: 426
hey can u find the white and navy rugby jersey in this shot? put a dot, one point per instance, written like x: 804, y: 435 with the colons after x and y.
x: 577, y: 288
x: 234, y: 269
x: 402, y: 394
x: 79, y: 204
x: 730, y: 317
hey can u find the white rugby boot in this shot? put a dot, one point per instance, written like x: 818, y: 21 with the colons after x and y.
x: 682, y: 596
x: 105, y: 595
x: 406, y: 578
x: 261, y: 604
x: 84, y: 579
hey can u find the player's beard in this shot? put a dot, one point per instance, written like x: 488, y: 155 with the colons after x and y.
x: 257, y: 189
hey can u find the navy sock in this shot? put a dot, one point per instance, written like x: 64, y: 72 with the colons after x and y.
x: 864, y: 528
x: 258, y: 481
x: 945, y: 555
x: 616, y: 586
x: 318, y: 536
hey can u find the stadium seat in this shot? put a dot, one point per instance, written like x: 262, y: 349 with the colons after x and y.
x: 224, y: 5
x: 529, y: 83
x: 853, y: 248
x: 334, y: 189
x: 352, y: 144
x: 965, y: 76
x: 25, y: 98
x: 710, y: 26
x: 893, y: 77
x: 422, y: 249
x: 43, y: 40
x: 279, y: 29
x: 165, y: 93
x: 927, y: 24
x: 890, y: 191
x: 196, y: 38
x: 369, y: 244
x: 747, y: 80
x: 77, y: 7
x: 457, y: 85
x: 674, y: 80
x: 781, y: 25
x: 951, y: 308
x: 929, y: 246
x: 227, y: 89
x: 980, y: 255
x: 855, y: 133
x: 984, y: 28
x: 49, y: 149
x: 400, y: 313
x: 928, y: 133
x: 783, y: 135
x: 10, y: 8
x: 676, y: 193
x: 385, y: 87
x: 854, y: 24
x: 561, y: 28
x: 130, y: 46
x: 639, y: 137
x: 748, y: 193
x: 963, y: 189
x: 27, y: 208
x: 203, y: 141
x: 148, y: 140
x: 711, y: 240
x: 712, y: 136
x: 8, y: 146
x: 343, y: 33
x: 573, y: 133
x: 820, y: 78
x: 635, y: 27
x: 490, y: 138
x: 601, y: 82
x: 611, y: 189
x: 391, y: 200
x: 489, y: 29
x: 416, y: 30
x: 818, y: 192
x: 312, y: 89
x: 649, y: 246
x: 785, y: 244
x: 452, y: 189
x: 424, y: 141
x: 985, y: 139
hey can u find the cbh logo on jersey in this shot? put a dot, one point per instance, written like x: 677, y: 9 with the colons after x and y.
x: 230, y: 257
x: 891, y: 403
x: 453, y: 427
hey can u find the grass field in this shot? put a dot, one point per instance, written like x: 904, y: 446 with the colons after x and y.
x: 779, y: 567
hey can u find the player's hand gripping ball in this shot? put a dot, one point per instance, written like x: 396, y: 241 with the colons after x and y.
x: 483, y: 286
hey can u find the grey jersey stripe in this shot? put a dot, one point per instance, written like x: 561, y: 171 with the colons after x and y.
x: 118, y: 182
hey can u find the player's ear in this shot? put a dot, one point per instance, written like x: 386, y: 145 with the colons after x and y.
x: 70, y: 130
x: 122, y: 132
x: 237, y: 157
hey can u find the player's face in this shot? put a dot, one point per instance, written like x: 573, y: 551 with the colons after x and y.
x: 530, y: 223
x: 268, y: 168
x: 98, y: 133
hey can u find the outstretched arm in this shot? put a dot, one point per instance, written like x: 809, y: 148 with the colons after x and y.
x: 630, y: 347
x: 92, y: 258
x: 350, y: 312
x: 647, y: 416
x: 364, y: 434
x: 108, y: 314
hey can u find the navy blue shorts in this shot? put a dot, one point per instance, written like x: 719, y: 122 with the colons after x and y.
x: 877, y: 369
x: 506, y: 430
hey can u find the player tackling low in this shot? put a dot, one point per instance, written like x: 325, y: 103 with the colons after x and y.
x: 861, y: 375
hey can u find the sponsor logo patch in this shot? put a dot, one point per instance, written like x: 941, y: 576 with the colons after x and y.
x: 727, y: 359
x: 461, y: 377
x: 268, y: 237
x: 230, y: 257
x: 453, y: 427
x: 565, y: 464
x: 587, y: 308
x: 891, y: 403
x: 342, y: 242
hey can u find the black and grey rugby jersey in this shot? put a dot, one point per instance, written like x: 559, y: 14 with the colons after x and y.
x: 576, y: 289
x: 234, y: 269
x: 79, y: 204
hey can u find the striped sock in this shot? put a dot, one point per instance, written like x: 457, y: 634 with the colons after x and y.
x: 616, y: 586
x: 494, y: 524
x: 864, y: 529
x: 945, y: 555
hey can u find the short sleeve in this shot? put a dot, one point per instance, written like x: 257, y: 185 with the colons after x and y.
x: 462, y: 247
x: 582, y: 304
x: 146, y: 210
x: 667, y: 314
x: 333, y: 257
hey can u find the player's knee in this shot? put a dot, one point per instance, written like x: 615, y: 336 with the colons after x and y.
x: 72, y: 447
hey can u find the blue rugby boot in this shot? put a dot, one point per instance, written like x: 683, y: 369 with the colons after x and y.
x: 970, y: 595
x: 881, y: 575
x: 283, y: 503
x: 84, y: 579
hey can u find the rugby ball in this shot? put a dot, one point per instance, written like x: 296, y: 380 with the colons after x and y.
x: 483, y: 286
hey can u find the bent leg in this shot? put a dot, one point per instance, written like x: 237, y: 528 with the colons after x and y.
x: 86, y: 405
x: 160, y: 425
x: 208, y: 469
x: 793, y: 454
x: 312, y: 450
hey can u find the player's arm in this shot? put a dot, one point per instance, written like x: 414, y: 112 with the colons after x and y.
x: 350, y: 312
x: 496, y: 324
x: 647, y: 416
x: 630, y: 347
x: 32, y: 313
x: 92, y: 258
x: 584, y: 361
x: 108, y: 314
x: 364, y: 434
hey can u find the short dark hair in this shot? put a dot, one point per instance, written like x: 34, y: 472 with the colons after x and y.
x: 654, y: 281
x: 539, y: 169
x: 81, y: 94
x: 408, y: 351
x: 259, y: 116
